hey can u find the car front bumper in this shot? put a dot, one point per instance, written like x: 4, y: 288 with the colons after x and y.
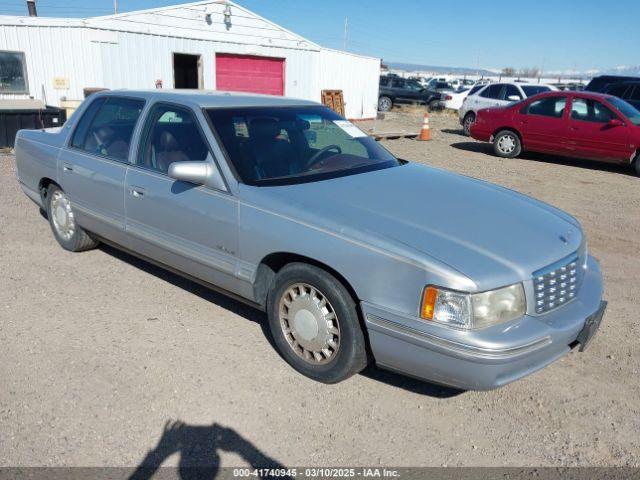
x: 486, y: 358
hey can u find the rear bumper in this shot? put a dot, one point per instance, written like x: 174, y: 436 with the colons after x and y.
x: 480, y: 132
x: 481, y: 359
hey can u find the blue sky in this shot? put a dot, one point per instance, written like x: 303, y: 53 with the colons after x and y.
x: 558, y: 35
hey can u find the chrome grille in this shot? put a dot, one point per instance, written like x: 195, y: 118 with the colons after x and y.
x: 556, y: 285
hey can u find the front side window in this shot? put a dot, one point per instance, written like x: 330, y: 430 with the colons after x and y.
x: 510, y: 91
x: 531, y: 90
x: 13, y: 72
x: 278, y: 145
x: 626, y: 109
x: 492, y: 91
x: 107, y: 126
x: 547, y: 107
x: 170, y: 135
x: 588, y: 110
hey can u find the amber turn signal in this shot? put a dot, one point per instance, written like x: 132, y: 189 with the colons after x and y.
x: 429, y: 296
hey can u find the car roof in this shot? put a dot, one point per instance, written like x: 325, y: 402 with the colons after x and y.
x: 210, y: 98
x: 571, y: 93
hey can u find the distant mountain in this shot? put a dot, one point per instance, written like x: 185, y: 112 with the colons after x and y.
x: 412, y: 67
x: 623, y: 70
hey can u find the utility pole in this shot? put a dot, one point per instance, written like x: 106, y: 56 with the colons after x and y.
x: 346, y: 29
x: 115, y: 7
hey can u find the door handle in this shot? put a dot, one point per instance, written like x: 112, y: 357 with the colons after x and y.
x: 137, y: 192
x: 67, y: 168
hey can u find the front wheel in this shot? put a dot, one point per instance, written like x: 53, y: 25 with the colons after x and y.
x: 315, y: 325
x: 63, y: 223
x: 636, y: 165
x: 507, y: 144
x: 384, y: 104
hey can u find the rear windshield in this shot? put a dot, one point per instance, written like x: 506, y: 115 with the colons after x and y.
x: 626, y: 109
x: 530, y: 90
x: 280, y: 145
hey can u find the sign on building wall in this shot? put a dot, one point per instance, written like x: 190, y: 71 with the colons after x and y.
x: 60, y: 83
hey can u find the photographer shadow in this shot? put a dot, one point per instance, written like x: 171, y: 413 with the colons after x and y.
x: 199, y: 447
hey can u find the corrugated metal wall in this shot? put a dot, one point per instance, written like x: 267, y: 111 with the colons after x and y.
x: 134, y: 51
x: 358, y: 78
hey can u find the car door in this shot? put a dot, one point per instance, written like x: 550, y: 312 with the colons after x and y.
x: 192, y: 228
x: 489, y: 97
x: 398, y: 90
x: 91, y: 170
x: 543, y: 124
x: 590, y: 135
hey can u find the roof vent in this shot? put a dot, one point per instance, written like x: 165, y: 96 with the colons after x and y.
x: 31, y: 7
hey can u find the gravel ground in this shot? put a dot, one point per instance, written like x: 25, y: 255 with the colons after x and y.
x: 98, y: 351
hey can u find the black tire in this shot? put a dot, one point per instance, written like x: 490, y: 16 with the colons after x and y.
x: 350, y: 357
x: 468, y: 120
x: 79, y: 240
x: 434, y: 106
x: 507, y: 144
x: 384, y: 103
x: 636, y: 165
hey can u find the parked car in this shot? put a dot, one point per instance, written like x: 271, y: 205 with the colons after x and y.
x: 496, y: 95
x: 440, y: 85
x: 397, y: 90
x: 627, y: 91
x: 453, y: 100
x: 600, y: 83
x: 285, y: 205
x: 580, y: 125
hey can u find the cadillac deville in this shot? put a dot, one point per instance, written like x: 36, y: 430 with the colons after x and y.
x: 356, y: 256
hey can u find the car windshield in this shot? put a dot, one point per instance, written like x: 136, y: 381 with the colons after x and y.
x: 530, y: 90
x: 626, y: 109
x: 281, y: 145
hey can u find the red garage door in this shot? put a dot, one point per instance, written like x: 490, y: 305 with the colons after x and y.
x: 246, y: 73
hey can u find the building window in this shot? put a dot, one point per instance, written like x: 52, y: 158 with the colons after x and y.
x: 13, y: 72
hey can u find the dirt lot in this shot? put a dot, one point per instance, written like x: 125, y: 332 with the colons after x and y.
x: 99, y: 350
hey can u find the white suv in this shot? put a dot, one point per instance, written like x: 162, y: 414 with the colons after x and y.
x: 496, y: 95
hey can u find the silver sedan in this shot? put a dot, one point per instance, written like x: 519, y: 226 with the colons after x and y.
x: 356, y: 256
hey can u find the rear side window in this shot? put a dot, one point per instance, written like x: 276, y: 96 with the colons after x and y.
x: 475, y: 89
x: 633, y: 93
x: 547, y: 107
x: 492, y: 91
x: 107, y: 126
x: 384, y: 82
x: 617, y: 90
x: 397, y: 83
x: 588, y: 110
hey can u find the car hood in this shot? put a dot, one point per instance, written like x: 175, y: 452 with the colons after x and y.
x: 492, y: 235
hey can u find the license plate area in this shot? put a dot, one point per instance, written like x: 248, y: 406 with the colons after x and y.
x: 590, y: 328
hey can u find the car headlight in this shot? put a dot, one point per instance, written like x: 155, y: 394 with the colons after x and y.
x: 473, y: 310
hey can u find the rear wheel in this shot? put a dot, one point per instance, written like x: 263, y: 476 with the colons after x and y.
x: 469, y: 118
x: 63, y: 223
x: 315, y: 325
x: 507, y: 144
x: 384, y: 104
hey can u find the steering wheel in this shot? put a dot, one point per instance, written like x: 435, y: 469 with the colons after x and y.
x: 318, y: 155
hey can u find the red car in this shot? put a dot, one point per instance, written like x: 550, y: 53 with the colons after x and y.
x: 572, y: 124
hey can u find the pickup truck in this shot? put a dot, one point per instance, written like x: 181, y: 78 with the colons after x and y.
x: 355, y: 256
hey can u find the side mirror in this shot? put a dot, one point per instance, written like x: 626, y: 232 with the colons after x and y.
x: 616, y: 122
x: 514, y: 98
x: 198, y: 173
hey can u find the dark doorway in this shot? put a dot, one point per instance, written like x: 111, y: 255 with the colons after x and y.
x: 186, y: 71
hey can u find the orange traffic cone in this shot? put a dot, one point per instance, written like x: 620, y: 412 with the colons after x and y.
x: 425, y: 134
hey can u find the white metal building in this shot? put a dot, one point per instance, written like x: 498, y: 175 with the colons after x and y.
x: 208, y: 44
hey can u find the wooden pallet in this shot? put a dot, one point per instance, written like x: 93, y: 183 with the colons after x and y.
x: 391, y: 135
